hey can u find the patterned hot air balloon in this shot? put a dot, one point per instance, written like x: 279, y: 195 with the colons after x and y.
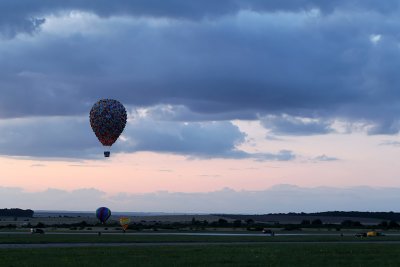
x: 103, y: 214
x: 108, y: 120
x: 124, y: 221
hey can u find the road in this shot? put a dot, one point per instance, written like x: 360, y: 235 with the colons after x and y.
x: 153, y: 244
x: 200, y: 243
x: 184, y: 234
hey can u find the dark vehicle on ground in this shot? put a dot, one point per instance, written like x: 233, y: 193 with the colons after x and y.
x: 361, y: 234
x: 268, y: 232
x: 37, y: 231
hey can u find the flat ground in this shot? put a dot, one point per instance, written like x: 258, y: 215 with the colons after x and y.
x: 158, y: 249
x: 72, y: 237
x: 272, y: 254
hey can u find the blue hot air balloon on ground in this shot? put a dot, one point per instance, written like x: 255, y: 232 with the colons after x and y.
x: 103, y: 213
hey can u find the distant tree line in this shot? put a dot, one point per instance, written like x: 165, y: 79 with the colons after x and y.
x: 16, y: 213
x: 389, y: 216
x: 249, y: 225
x: 394, y: 216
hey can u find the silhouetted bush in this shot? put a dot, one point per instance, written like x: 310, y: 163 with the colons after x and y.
x: 16, y: 213
x: 316, y: 222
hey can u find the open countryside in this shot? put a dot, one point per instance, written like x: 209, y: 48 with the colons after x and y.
x: 220, y: 240
x: 199, y: 133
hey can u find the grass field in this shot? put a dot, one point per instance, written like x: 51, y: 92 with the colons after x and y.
x: 272, y: 253
x: 235, y: 255
x: 113, y: 238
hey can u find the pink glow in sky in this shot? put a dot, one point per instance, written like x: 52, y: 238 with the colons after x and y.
x: 361, y: 162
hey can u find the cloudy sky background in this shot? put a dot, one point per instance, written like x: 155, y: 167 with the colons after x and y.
x: 234, y: 105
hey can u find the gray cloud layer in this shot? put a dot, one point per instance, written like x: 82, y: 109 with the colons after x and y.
x: 286, y: 125
x: 23, y: 9
x: 390, y: 143
x: 73, y: 138
x: 214, y: 60
x: 281, y: 198
x: 299, y: 63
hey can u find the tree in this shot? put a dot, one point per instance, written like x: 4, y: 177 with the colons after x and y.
x: 316, y: 222
x: 393, y: 224
x: 249, y: 221
x: 305, y: 222
x: 346, y: 223
x: 383, y: 224
x: 350, y: 223
x: 222, y: 221
x: 16, y: 213
x: 83, y: 224
x: 237, y: 223
x: 40, y: 225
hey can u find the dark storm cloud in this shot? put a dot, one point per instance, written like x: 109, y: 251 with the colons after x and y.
x: 20, y: 15
x: 214, y: 60
x: 233, y: 68
x: 26, y: 25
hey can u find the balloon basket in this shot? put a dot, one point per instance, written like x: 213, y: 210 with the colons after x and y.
x: 106, y: 154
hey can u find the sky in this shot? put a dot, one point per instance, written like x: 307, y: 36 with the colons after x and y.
x: 234, y: 106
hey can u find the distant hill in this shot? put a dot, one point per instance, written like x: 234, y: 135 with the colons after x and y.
x: 16, y: 213
x: 395, y: 216
x: 326, y: 217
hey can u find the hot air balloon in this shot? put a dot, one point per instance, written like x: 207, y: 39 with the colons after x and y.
x: 108, y: 120
x: 103, y: 214
x: 124, y: 221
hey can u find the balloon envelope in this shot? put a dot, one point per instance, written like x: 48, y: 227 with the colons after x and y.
x: 108, y: 120
x: 103, y: 214
x: 124, y: 221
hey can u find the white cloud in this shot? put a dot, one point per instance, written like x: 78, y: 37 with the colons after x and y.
x: 375, y: 38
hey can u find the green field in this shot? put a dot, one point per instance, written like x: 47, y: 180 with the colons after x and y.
x: 113, y: 238
x: 221, y: 255
x: 274, y: 251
